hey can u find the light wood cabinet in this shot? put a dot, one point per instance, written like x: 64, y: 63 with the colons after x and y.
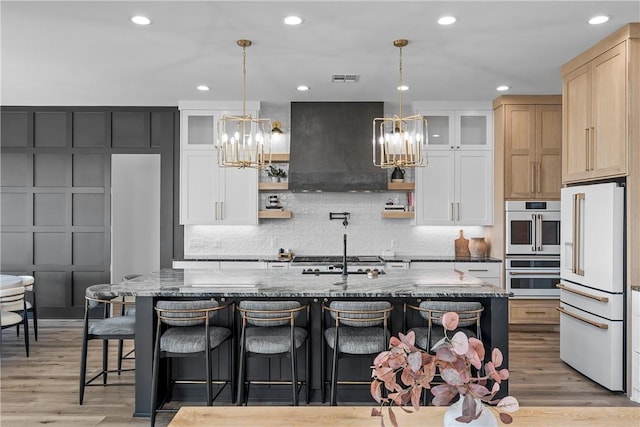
x: 534, y: 312
x: 530, y: 127
x: 595, y: 114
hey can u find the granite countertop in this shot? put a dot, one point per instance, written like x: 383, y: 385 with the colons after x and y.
x: 438, y: 258
x: 270, y: 283
x: 635, y: 288
x: 397, y: 258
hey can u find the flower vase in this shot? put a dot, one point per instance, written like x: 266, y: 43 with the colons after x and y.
x: 478, y: 247
x: 486, y: 419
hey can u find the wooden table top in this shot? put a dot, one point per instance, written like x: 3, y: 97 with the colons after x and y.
x: 357, y: 416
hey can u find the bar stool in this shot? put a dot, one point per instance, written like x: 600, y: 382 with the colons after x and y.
x: 107, y: 328
x: 10, y: 298
x: 269, y: 329
x: 427, y: 336
x: 359, y: 328
x: 185, y: 329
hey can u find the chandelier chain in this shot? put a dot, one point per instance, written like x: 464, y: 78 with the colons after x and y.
x: 244, y: 80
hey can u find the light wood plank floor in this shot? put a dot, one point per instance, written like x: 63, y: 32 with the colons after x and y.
x: 43, y: 389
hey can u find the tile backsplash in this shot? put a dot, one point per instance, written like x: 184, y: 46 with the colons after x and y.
x: 310, y: 232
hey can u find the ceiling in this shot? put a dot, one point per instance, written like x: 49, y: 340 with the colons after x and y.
x: 89, y: 53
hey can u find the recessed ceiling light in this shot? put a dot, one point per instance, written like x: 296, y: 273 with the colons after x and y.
x: 303, y: 88
x: 403, y: 88
x: 293, y: 20
x: 447, y: 20
x: 600, y: 19
x: 140, y: 20
x: 502, y: 88
x: 203, y: 88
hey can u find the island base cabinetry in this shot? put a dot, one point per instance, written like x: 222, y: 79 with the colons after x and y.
x: 357, y: 369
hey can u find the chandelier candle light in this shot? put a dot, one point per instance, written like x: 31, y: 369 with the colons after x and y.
x: 400, y: 141
x: 244, y: 141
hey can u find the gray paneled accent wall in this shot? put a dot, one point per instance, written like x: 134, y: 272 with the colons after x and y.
x: 55, y: 175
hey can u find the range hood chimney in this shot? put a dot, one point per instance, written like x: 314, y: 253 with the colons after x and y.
x: 331, y: 147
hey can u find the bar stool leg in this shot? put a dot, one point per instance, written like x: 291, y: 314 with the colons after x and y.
x: 294, y: 376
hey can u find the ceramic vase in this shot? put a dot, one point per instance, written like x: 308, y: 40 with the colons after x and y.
x: 478, y: 247
x: 486, y: 419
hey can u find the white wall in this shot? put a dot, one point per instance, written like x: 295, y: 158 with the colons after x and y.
x: 310, y: 232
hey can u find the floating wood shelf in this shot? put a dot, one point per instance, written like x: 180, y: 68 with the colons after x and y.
x: 279, y: 157
x: 402, y: 186
x: 275, y: 214
x: 273, y: 186
x: 397, y: 215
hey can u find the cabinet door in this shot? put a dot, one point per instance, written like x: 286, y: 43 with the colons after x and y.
x: 441, y: 129
x: 198, y: 128
x: 199, y: 187
x: 474, y: 188
x: 548, y: 151
x: 474, y: 130
x: 609, y: 113
x: 576, y: 116
x: 239, y: 197
x: 435, y: 190
x: 520, y: 142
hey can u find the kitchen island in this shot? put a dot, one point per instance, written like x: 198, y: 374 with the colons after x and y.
x: 234, y: 285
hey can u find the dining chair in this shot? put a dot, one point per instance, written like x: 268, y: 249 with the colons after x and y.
x: 10, y: 298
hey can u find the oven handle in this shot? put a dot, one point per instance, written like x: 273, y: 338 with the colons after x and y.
x: 534, y: 222
x: 539, y: 236
x: 582, y: 294
x: 582, y: 319
x: 535, y: 273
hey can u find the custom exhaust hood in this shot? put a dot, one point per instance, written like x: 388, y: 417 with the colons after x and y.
x: 331, y: 147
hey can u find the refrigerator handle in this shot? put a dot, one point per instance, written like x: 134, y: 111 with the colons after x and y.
x: 582, y: 319
x: 578, y: 198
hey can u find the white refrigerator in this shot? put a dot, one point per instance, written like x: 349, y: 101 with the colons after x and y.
x: 592, y: 285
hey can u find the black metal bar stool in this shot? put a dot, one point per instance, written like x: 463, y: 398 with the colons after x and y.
x: 188, y: 329
x: 359, y: 328
x: 269, y: 329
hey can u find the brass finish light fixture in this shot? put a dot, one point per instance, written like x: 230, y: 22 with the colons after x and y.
x: 400, y: 141
x: 244, y: 141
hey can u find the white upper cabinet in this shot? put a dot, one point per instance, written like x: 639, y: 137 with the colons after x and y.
x: 210, y: 194
x: 459, y: 130
x: 456, y: 187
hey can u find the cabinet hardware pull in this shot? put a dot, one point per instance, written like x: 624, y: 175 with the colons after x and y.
x: 592, y: 156
x: 216, y: 211
x: 582, y: 319
x: 533, y: 178
x: 535, y: 312
x: 539, y: 179
x: 221, y: 210
x: 458, y: 209
x: 452, y: 218
x: 533, y: 273
x: 586, y: 151
x: 582, y: 294
x: 478, y: 269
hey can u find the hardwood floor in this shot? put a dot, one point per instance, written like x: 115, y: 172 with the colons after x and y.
x: 43, y: 389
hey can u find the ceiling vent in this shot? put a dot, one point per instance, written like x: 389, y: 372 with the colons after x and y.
x: 345, y: 78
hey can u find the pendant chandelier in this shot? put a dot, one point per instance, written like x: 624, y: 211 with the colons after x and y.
x: 244, y: 141
x: 400, y: 141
